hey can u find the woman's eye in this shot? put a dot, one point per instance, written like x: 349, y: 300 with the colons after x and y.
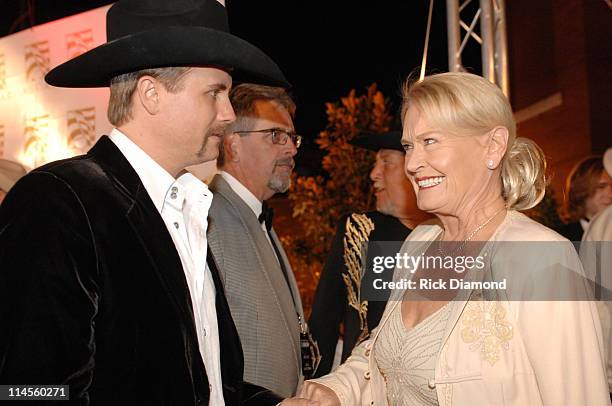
x: 407, y: 147
x: 428, y: 141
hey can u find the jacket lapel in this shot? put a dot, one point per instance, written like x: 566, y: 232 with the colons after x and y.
x: 164, y: 258
x: 232, y: 361
x: 150, y: 229
x: 295, y: 291
x: 271, y: 269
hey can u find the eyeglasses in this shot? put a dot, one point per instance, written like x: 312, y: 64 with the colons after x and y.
x: 279, y: 136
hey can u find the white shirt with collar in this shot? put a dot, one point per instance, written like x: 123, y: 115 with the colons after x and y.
x: 183, y: 204
x: 584, y: 223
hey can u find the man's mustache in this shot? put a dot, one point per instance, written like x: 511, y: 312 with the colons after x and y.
x: 218, y: 130
x: 285, y: 162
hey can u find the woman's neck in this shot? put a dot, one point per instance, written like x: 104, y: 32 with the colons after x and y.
x: 478, y: 221
x: 413, y: 220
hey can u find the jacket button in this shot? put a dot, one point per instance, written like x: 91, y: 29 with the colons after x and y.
x: 431, y: 384
x: 367, y: 375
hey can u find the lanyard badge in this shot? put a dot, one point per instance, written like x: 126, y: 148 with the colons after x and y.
x: 311, y: 357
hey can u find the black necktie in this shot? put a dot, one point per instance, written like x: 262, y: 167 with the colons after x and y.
x: 267, y: 213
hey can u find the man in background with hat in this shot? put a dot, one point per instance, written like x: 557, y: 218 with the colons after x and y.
x: 106, y: 281
x: 255, y: 162
x: 10, y: 173
x: 395, y: 217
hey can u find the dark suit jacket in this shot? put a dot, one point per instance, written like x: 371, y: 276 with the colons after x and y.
x: 572, y: 231
x: 330, y: 307
x: 93, y: 294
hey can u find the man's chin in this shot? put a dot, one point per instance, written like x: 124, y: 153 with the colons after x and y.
x: 210, y: 150
x: 283, y: 188
x: 384, y: 209
x: 279, y: 186
x: 205, y: 156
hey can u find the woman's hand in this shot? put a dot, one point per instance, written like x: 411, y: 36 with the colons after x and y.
x: 319, y: 393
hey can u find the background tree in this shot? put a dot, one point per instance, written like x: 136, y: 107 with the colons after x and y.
x: 319, y: 202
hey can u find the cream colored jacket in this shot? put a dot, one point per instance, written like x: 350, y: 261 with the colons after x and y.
x: 523, y: 353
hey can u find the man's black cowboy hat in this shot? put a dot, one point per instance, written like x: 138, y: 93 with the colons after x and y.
x: 375, y: 142
x: 145, y: 34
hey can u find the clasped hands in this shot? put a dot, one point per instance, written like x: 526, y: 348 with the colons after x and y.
x: 313, y: 394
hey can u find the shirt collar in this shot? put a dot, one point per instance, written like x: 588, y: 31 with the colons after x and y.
x: 245, y: 194
x: 584, y: 223
x: 158, y: 183
x: 196, y: 192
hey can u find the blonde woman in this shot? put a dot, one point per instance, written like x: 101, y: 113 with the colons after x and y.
x: 470, y: 170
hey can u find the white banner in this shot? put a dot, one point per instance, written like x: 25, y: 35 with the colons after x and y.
x: 40, y: 123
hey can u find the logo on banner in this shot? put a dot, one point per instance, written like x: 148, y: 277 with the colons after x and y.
x: 35, y: 132
x: 1, y: 140
x: 79, y: 42
x: 81, y: 129
x: 37, y: 60
x: 2, y: 73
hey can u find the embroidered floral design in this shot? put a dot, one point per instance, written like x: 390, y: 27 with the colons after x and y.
x: 358, y: 229
x: 485, y: 328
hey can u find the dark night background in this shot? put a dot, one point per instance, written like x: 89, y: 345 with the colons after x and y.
x: 325, y: 48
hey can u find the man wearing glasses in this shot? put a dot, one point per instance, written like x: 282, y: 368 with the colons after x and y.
x: 255, y: 162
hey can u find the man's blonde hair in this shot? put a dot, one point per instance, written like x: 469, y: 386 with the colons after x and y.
x: 122, y: 89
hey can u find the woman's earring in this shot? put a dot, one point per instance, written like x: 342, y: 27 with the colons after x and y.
x: 490, y: 164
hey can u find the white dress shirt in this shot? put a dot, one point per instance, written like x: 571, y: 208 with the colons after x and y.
x: 183, y: 204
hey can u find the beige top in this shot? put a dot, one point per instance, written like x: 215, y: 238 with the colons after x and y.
x: 536, y: 353
x: 407, y: 357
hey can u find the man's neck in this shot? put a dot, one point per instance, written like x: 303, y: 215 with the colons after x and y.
x: 158, y: 153
x: 241, y: 177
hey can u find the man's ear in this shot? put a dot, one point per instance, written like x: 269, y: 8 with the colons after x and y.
x: 147, y: 94
x: 232, y: 144
x: 498, y: 143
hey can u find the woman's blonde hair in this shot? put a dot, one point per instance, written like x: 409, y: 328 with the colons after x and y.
x: 465, y: 104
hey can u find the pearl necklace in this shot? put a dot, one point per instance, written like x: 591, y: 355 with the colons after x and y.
x: 469, y: 238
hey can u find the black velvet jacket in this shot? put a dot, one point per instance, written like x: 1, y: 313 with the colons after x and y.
x: 93, y: 294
